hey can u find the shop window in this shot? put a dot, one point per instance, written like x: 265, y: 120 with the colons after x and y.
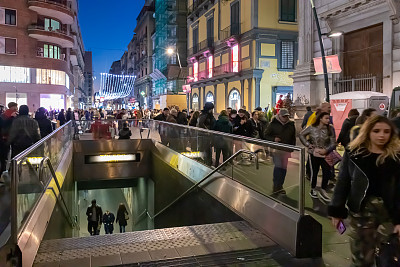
x: 19, y: 98
x: 235, y: 58
x: 10, y: 74
x: 210, y: 66
x: 52, y: 101
x: 196, y: 71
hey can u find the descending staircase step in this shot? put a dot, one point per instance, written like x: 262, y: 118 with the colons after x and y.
x: 210, y: 244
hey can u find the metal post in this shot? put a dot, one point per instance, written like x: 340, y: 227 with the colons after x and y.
x: 322, y: 52
x: 353, y: 84
x: 302, y: 190
x: 14, y: 204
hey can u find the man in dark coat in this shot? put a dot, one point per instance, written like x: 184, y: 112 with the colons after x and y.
x: 281, y: 130
x: 24, y: 131
x: 95, y: 217
x: 162, y: 129
x: 206, y: 121
x: 45, y: 124
x: 163, y: 116
x: 108, y: 221
x: 348, y: 123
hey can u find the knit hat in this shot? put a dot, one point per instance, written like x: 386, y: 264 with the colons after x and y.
x: 208, y: 106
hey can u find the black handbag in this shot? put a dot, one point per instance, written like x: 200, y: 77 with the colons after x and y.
x: 388, y: 254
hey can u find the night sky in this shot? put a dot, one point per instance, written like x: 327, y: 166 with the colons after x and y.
x: 107, y: 28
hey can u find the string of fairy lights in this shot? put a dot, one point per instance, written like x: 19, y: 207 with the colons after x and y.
x: 115, y: 86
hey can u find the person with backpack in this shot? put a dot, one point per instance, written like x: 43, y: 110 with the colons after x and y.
x: 24, y: 132
x: 125, y: 132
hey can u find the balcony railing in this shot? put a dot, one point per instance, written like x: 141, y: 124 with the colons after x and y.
x: 364, y: 82
x: 195, y: 5
x: 62, y: 3
x: 203, y: 45
x: 49, y: 29
x: 232, y: 30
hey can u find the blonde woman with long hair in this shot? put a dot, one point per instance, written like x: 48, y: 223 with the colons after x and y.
x: 369, y: 184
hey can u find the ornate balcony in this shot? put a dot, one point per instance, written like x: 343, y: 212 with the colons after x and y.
x: 58, y: 37
x: 59, y: 9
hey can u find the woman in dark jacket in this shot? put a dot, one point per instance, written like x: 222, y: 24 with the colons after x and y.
x: 221, y: 143
x: 369, y: 184
x: 61, y: 117
x: 122, y: 217
x: 242, y: 125
x: 194, y: 118
x: 45, y: 125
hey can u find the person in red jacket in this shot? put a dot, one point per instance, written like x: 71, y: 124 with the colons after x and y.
x: 279, y: 104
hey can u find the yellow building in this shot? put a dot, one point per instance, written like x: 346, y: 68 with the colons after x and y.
x: 241, y: 52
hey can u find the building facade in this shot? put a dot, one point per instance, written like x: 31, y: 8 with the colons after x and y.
x: 88, y: 74
x: 240, y: 53
x: 41, y: 53
x: 368, y: 51
x: 141, y: 54
x: 168, y: 75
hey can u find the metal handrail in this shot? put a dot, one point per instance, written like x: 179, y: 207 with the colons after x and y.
x: 15, y: 163
x: 205, y: 178
x: 53, y: 174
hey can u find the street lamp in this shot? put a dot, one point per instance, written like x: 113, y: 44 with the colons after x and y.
x: 322, y: 51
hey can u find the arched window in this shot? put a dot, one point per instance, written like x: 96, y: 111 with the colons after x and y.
x: 234, y: 99
x: 195, y: 102
x: 210, y: 97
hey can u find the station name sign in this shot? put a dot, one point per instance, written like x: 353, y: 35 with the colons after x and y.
x: 112, y: 158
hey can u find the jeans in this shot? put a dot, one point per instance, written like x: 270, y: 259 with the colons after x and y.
x: 316, y: 163
x: 108, y: 228
x: 92, y: 228
x: 122, y: 228
x: 281, y: 161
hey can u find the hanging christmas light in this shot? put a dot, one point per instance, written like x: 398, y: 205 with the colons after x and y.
x: 116, y: 86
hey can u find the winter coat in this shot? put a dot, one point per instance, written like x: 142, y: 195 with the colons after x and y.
x: 344, y: 135
x: 286, y: 132
x: 24, y: 132
x: 121, y: 217
x: 125, y: 133
x: 319, y: 138
x: 45, y: 125
x: 263, y: 125
x: 206, y: 120
x: 222, y: 125
x: 61, y: 118
x: 160, y: 117
x: 242, y: 129
x: 171, y: 119
x: 256, y: 129
x: 99, y: 214
x: 108, y: 220
x: 352, y: 186
x: 182, y: 118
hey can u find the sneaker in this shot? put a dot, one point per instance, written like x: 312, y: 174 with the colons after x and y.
x: 322, y: 194
x: 261, y: 160
x: 313, y: 193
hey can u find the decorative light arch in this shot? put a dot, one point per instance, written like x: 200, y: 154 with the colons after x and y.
x: 116, y: 86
